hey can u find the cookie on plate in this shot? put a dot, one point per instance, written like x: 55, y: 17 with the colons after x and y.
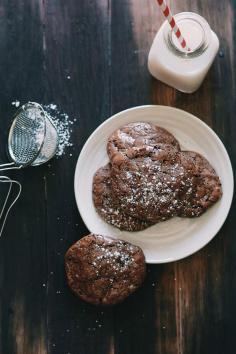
x: 108, y: 207
x: 138, y: 139
x: 156, y: 188
x: 104, y: 271
x: 148, y: 187
x: 200, y: 187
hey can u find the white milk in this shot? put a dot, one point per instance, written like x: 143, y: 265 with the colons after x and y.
x: 171, y: 64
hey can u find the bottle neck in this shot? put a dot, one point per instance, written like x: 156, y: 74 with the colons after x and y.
x: 195, y: 30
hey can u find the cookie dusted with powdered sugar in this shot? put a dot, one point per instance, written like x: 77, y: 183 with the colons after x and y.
x: 148, y: 187
x: 182, y: 184
x: 200, y: 187
x: 139, y: 139
x: 104, y: 271
x: 108, y: 207
x: 149, y: 179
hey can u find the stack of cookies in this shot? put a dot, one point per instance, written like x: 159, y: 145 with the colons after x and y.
x: 149, y: 179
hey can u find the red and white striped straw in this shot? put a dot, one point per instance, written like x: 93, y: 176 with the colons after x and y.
x: 170, y: 18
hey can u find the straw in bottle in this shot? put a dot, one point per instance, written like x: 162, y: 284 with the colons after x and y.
x: 170, y: 18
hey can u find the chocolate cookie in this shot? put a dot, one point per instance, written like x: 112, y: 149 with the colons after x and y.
x: 158, y: 187
x: 200, y: 187
x: 104, y: 271
x: 108, y: 207
x: 137, y: 140
x: 148, y: 187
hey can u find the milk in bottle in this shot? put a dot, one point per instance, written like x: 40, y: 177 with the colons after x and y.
x: 173, y: 65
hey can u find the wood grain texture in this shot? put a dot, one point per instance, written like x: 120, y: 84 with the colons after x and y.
x: 186, y: 307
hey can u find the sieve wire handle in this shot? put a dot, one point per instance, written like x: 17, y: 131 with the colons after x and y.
x: 3, y: 219
x: 9, y: 166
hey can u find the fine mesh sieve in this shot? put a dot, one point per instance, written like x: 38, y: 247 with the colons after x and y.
x: 32, y: 141
x: 33, y: 138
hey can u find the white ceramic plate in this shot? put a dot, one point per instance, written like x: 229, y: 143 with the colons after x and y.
x: 176, y: 238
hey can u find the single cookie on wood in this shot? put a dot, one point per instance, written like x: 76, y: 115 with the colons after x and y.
x: 137, y: 140
x: 108, y: 207
x: 104, y: 271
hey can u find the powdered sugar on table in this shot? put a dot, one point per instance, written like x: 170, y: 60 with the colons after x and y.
x: 63, y: 125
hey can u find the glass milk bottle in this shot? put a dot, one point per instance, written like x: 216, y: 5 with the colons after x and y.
x: 173, y: 65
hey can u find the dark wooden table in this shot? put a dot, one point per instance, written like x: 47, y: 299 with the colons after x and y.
x: 186, y: 307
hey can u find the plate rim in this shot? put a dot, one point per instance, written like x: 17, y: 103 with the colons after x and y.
x: 196, y: 119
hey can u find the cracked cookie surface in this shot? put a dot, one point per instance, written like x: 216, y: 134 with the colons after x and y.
x: 104, y: 271
x: 108, y: 206
x: 138, y: 139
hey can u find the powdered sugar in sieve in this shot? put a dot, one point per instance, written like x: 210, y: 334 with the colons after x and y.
x: 50, y: 143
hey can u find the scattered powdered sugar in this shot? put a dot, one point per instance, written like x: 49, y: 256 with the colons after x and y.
x: 153, y: 189
x: 148, y: 192
x: 16, y: 103
x: 119, y: 257
x: 52, y: 106
x: 107, y: 206
x: 126, y: 138
x: 63, y: 126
